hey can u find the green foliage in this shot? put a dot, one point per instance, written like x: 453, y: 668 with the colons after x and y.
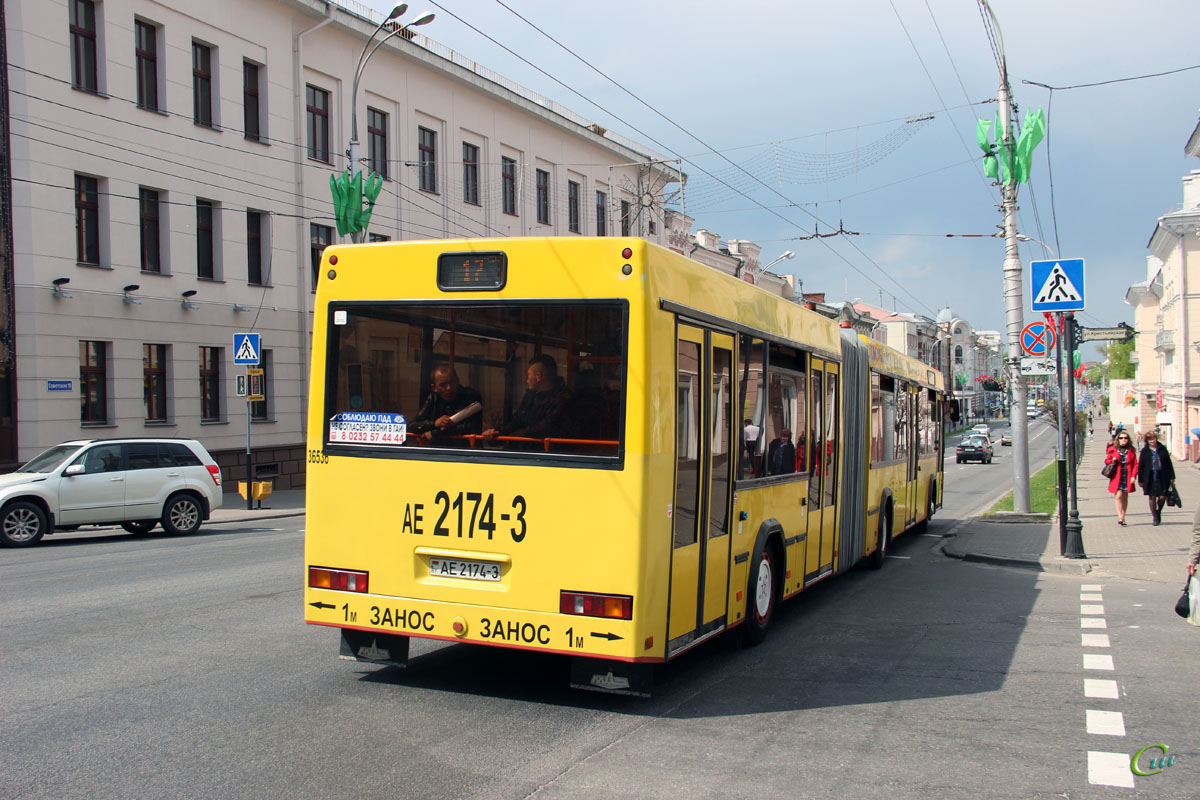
x: 1119, y: 365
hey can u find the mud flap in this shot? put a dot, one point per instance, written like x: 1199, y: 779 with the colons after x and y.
x: 374, y: 648
x: 611, y: 677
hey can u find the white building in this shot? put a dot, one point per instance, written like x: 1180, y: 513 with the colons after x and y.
x: 168, y: 168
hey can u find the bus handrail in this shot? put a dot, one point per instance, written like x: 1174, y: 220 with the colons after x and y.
x: 546, y: 443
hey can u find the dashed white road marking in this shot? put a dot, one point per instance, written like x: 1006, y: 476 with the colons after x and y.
x: 1091, y: 611
x: 1101, y: 689
x: 1090, y: 587
x: 1109, y: 769
x: 1105, y: 723
x: 1092, y: 622
x: 1095, y: 661
x: 1090, y: 597
x: 1095, y: 639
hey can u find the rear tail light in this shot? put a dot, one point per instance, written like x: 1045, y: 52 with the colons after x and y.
x: 343, y: 580
x: 215, y: 472
x: 612, y: 606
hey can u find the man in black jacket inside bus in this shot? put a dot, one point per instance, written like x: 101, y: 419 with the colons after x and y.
x: 542, y: 412
x: 446, y: 398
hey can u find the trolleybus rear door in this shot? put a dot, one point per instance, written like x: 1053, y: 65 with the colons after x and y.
x: 704, y: 458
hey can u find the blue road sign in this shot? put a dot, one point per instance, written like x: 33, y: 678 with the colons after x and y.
x: 1037, y: 339
x: 1057, y: 285
x: 247, y: 348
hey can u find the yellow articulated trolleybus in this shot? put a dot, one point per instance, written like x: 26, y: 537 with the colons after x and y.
x: 591, y: 446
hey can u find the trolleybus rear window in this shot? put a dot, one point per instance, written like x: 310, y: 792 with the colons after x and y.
x: 460, y: 381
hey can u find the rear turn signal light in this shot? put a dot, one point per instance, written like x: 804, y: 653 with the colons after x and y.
x: 612, y: 606
x: 215, y: 472
x: 343, y: 580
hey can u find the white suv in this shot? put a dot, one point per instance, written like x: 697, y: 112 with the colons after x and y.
x: 134, y: 483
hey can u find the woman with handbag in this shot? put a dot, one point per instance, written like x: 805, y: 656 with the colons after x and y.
x: 1120, y: 466
x: 1156, y: 474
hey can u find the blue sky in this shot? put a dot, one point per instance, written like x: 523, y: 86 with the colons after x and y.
x: 814, y: 99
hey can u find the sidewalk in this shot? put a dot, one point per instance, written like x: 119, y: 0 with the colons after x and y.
x: 1138, y: 550
x: 289, y: 503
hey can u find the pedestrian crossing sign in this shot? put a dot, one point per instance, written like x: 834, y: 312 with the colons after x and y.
x: 247, y: 348
x: 1057, y: 285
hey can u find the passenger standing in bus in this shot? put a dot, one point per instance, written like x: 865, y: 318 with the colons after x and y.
x: 542, y: 413
x: 751, y: 431
x: 447, y: 397
x: 781, y: 455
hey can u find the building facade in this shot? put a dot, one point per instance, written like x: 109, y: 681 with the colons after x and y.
x: 169, y: 166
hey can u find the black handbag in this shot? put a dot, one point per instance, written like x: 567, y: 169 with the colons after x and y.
x: 1183, y: 606
x: 1109, y: 470
x: 1173, y: 497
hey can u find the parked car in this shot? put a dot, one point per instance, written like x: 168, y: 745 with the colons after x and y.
x: 974, y: 447
x: 134, y: 483
x: 1006, y: 439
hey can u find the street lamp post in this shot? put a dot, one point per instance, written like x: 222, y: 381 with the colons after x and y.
x: 363, y: 58
x: 784, y: 256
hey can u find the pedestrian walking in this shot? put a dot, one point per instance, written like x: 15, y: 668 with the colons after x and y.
x: 1091, y: 433
x: 1156, y: 474
x: 1110, y: 429
x: 1124, y: 478
x: 1194, y: 553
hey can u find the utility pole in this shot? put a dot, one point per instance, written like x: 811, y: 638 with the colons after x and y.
x: 1013, y: 296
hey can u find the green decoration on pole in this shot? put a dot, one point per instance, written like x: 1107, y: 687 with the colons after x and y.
x: 350, y: 211
x: 1008, y: 163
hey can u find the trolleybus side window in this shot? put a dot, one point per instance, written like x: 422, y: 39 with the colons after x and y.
x: 786, y: 411
x: 752, y: 401
x: 407, y: 379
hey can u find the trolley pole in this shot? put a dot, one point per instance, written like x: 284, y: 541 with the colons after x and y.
x: 1013, y: 297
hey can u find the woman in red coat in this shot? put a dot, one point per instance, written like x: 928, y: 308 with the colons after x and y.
x: 1120, y: 451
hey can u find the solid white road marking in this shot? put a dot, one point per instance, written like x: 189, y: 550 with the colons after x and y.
x: 1105, y: 723
x: 1095, y: 639
x: 1102, y: 689
x: 1092, y: 622
x: 1094, y: 661
x: 1091, y: 610
x: 1109, y: 769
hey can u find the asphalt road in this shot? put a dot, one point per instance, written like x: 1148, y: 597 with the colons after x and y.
x: 167, y: 667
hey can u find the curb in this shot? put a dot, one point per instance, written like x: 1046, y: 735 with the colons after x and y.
x: 264, y: 514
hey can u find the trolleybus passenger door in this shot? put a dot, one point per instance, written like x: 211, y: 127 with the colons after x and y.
x: 914, y: 455
x: 704, y: 458
x: 824, y: 443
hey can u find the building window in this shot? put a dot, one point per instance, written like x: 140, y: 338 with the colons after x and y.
x: 202, y: 84
x: 378, y: 237
x: 427, y: 159
x: 146, y: 52
x: 651, y: 227
x: 543, y: 197
x: 958, y: 355
x: 377, y: 151
x: 211, y: 359
x: 87, y: 220
x: 154, y: 381
x: 320, y: 237
x: 250, y: 101
x: 151, y: 244
x: 601, y: 214
x: 573, y: 206
x: 260, y: 409
x: 470, y: 174
x: 508, y: 185
x: 318, y: 123
x: 93, y: 383
x: 254, y: 248
x: 83, y: 45
x: 205, y: 240
x: 625, y: 213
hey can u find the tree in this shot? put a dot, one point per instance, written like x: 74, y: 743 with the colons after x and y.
x: 1119, y: 365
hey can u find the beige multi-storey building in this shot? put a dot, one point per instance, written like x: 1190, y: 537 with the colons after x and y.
x: 1167, y: 316
x: 167, y: 186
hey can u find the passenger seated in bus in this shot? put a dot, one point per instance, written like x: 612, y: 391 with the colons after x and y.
x: 542, y: 412
x: 781, y: 454
x: 447, y: 397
